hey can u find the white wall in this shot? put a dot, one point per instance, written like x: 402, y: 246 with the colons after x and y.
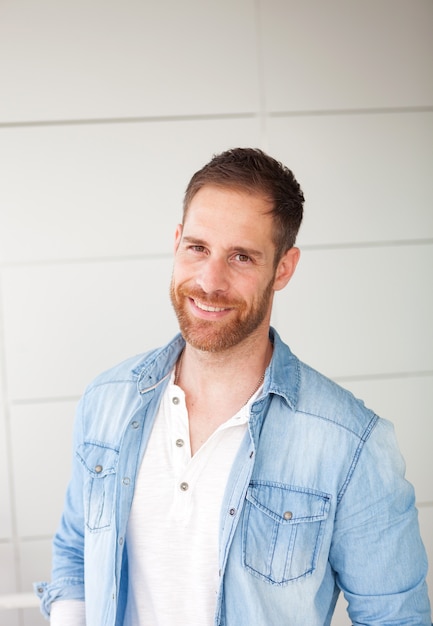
x: 106, y: 109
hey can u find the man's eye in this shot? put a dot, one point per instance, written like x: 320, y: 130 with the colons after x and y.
x: 197, y: 248
x: 243, y: 258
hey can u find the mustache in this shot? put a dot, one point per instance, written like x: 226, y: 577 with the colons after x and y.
x: 210, y: 299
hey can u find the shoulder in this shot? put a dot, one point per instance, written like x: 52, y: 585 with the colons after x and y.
x: 124, y: 372
x: 311, y: 393
x: 130, y: 371
x: 113, y: 397
x: 327, y: 400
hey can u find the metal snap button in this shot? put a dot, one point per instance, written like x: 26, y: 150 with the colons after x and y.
x: 175, y: 400
x: 98, y: 469
x: 180, y: 443
x: 288, y: 515
x: 184, y: 486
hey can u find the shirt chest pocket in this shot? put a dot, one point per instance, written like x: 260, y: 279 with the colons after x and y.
x: 282, y: 531
x: 100, y: 464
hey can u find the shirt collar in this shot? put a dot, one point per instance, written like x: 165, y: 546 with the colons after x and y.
x: 282, y: 375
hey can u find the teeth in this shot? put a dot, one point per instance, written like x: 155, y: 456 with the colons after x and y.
x: 205, y: 307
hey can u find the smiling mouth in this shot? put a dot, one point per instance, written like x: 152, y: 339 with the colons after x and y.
x: 210, y: 309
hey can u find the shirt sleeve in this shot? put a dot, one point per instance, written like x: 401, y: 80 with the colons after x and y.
x: 68, y: 544
x: 377, y: 551
x: 68, y: 613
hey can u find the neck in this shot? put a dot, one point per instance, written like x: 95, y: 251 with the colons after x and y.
x: 240, y: 366
x: 218, y: 385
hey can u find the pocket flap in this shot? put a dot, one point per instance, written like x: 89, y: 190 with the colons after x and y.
x: 98, y: 459
x: 287, y: 504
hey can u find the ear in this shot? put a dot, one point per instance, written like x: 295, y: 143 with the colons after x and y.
x: 177, y: 237
x: 286, y: 268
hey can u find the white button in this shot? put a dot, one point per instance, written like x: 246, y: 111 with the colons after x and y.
x: 184, y: 486
x: 180, y: 443
x: 175, y: 400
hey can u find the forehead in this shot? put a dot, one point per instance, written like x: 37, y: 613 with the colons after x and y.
x: 229, y: 209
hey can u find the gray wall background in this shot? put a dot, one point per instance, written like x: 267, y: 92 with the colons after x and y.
x: 106, y: 109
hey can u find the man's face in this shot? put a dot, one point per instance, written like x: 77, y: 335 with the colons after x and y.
x: 224, y: 275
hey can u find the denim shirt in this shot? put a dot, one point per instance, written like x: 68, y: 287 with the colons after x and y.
x: 316, y: 502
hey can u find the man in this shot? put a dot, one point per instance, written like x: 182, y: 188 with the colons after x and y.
x: 219, y: 480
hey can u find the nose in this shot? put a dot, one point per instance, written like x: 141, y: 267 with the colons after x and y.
x: 213, y: 275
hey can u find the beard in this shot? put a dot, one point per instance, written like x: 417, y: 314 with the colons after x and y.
x: 218, y: 335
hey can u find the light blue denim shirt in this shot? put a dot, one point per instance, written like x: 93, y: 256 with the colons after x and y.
x: 316, y: 503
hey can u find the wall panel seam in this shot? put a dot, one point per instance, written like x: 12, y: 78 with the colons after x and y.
x: 132, y: 120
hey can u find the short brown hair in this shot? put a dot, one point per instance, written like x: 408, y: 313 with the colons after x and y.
x: 252, y: 170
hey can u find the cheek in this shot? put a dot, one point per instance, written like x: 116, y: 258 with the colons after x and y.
x: 181, y: 271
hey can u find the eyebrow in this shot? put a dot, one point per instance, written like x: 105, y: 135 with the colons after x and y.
x: 240, y: 249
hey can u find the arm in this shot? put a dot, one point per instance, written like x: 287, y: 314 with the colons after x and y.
x: 68, y: 544
x: 377, y: 552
